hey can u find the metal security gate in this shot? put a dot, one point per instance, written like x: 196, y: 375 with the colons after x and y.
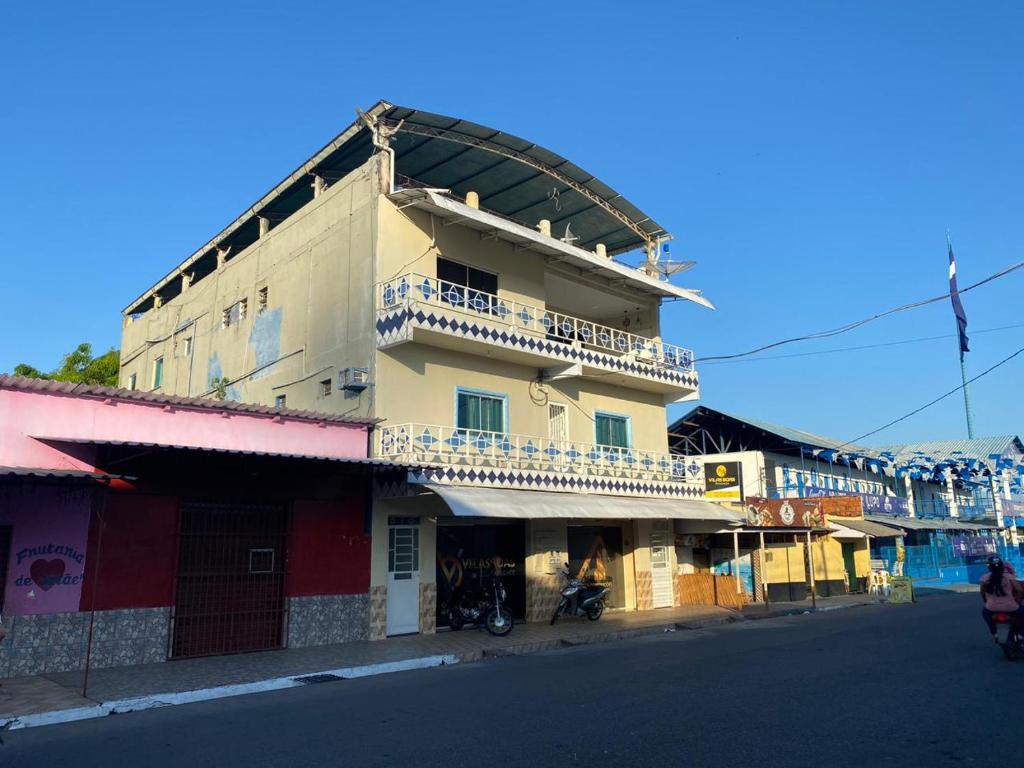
x: 230, y: 587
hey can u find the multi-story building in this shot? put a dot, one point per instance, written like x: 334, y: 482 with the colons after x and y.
x: 460, y: 285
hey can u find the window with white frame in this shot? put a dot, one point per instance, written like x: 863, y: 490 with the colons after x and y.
x: 480, y: 411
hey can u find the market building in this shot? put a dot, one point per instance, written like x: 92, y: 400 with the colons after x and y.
x: 939, y: 501
x: 138, y: 527
x: 468, y: 290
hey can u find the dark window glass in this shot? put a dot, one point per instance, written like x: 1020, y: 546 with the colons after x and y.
x: 467, y: 287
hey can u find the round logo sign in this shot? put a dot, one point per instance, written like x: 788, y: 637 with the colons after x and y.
x: 720, y: 470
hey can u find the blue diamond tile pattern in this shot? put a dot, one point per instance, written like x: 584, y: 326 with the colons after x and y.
x: 394, y: 326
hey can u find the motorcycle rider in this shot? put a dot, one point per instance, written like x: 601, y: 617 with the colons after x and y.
x: 1001, y: 593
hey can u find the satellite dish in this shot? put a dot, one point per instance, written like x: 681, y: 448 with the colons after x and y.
x: 569, y: 237
x: 667, y: 267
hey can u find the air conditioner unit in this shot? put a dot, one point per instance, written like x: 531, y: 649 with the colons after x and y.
x: 354, y: 379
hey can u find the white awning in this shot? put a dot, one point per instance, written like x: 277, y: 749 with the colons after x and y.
x: 843, y: 533
x: 531, y: 505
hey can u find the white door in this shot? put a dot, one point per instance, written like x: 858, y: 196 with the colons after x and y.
x: 661, y: 570
x: 403, y: 579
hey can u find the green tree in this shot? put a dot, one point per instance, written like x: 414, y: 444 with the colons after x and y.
x: 79, y: 367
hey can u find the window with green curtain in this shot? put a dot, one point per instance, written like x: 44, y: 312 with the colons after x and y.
x: 612, y: 430
x: 482, y: 412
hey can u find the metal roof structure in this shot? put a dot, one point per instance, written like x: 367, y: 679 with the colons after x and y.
x: 980, y: 448
x: 58, y: 474
x: 786, y: 437
x: 48, y: 386
x: 383, y: 463
x: 513, y: 177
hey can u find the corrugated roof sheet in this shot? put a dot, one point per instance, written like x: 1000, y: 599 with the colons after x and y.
x: 57, y: 474
x: 978, y: 448
x: 233, y: 451
x: 94, y: 390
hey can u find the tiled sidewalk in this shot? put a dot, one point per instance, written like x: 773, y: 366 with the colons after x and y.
x: 63, y: 690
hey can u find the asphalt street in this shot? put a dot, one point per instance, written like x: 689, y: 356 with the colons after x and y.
x: 902, y: 685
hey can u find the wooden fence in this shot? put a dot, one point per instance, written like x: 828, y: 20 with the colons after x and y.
x: 708, y: 589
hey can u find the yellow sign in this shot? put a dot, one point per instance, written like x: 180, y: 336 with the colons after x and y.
x: 722, y: 481
x: 902, y: 589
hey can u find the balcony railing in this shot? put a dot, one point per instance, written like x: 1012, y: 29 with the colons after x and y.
x: 531, y: 320
x: 470, y: 447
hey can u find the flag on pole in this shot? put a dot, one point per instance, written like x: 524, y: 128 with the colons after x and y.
x: 958, y: 307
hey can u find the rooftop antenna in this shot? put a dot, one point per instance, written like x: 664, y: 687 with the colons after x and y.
x: 569, y: 237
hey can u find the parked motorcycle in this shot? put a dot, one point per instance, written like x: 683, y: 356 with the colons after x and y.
x: 580, y: 598
x: 1009, y: 636
x: 481, y: 607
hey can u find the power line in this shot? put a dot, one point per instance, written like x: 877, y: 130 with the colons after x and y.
x: 861, y: 347
x: 866, y: 320
x: 933, y: 402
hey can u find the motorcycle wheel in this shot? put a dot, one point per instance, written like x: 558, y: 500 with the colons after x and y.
x: 499, y: 621
x: 595, y: 611
x: 455, y: 620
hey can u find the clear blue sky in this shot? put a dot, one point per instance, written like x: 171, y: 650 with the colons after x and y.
x: 809, y: 155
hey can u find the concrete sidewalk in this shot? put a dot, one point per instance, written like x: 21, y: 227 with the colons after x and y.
x: 53, y: 698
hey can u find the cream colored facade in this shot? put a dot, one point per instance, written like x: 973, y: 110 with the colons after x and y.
x: 337, y: 307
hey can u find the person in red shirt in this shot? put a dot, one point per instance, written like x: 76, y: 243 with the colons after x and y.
x: 1001, y: 593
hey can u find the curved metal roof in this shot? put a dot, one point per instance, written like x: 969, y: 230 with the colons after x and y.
x: 516, y: 178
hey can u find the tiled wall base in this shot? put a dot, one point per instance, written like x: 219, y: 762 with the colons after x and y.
x: 542, y: 594
x: 644, y: 591
x: 57, y: 642
x: 378, y: 612
x: 327, y: 619
x: 428, y: 608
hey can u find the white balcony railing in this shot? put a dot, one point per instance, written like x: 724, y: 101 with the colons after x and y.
x: 469, y: 447
x: 531, y: 320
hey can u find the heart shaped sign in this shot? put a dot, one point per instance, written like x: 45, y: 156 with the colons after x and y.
x: 46, y: 573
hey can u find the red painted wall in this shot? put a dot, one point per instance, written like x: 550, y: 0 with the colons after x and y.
x: 136, y: 564
x: 328, y: 553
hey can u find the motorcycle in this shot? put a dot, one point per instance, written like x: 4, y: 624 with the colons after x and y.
x: 484, y: 606
x: 1009, y: 636
x: 580, y: 598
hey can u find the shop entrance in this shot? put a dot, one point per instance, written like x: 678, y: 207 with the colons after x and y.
x: 230, y: 585
x: 850, y: 563
x: 595, y: 552
x: 469, y: 555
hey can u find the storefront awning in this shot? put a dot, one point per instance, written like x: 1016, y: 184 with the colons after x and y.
x: 874, y: 530
x: 843, y: 533
x: 532, y: 505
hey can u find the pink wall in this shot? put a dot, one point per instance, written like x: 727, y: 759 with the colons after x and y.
x: 28, y: 417
x: 48, y: 547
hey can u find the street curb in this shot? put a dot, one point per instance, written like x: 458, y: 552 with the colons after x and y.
x: 157, y: 700
x: 756, y: 616
x: 594, y: 639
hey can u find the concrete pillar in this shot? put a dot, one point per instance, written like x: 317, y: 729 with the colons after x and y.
x: 544, y: 227
x: 264, y: 225
x: 909, y: 484
x: 601, y: 251
x: 997, y: 502
x: 951, y: 489
x: 473, y: 199
x: 186, y: 281
x: 319, y: 186
x: 222, y: 255
x: 158, y: 301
